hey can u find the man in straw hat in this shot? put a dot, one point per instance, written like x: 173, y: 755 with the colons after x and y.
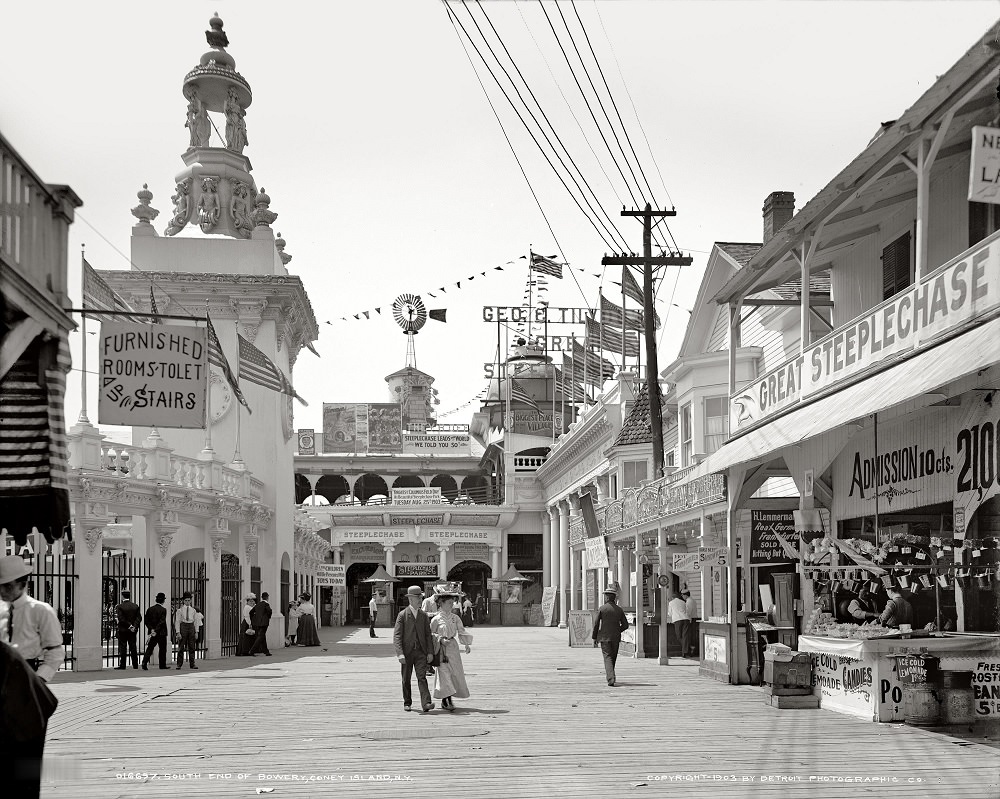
x: 411, y: 638
x: 608, y: 629
x: 27, y: 624
x: 184, y: 630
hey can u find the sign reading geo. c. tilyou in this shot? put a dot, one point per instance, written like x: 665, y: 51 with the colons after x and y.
x: 152, y: 375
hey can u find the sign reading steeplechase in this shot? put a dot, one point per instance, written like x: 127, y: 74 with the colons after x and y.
x: 152, y: 375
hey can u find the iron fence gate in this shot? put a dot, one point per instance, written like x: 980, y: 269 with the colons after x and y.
x: 53, y: 580
x: 121, y: 571
x: 188, y: 575
x: 232, y: 604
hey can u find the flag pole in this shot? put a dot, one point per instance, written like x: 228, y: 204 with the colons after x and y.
x: 208, y: 399
x: 529, y: 294
x: 623, y: 317
x: 572, y: 379
x: 237, y: 458
x: 83, y: 332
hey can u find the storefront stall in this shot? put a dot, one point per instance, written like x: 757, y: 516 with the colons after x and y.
x: 860, y: 676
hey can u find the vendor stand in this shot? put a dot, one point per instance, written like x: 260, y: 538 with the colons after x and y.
x: 511, y: 607
x: 386, y: 613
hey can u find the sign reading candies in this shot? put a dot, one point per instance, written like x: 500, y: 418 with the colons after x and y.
x: 152, y: 375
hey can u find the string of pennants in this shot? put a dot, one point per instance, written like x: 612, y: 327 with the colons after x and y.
x: 478, y: 398
x: 456, y: 285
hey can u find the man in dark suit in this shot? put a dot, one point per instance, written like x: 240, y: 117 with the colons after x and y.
x: 260, y: 617
x: 156, y: 623
x: 608, y: 629
x: 24, y: 716
x: 411, y: 638
x: 184, y: 630
x: 129, y: 618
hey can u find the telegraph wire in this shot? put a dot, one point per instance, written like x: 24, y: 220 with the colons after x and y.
x: 541, y: 110
x: 534, y: 119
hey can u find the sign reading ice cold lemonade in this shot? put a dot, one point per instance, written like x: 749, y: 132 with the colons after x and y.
x: 152, y: 375
x: 958, y: 292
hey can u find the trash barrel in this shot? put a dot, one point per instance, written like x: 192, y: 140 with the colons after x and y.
x: 921, y: 706
x: 956, y: 697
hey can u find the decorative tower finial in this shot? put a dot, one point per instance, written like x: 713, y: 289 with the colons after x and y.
x: 262, y: 216
x: 216, y: 37
x: 280, y: 244
x: 144, y: 212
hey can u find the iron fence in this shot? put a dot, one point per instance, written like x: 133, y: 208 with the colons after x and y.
x: 188, y: 575
x: 121, y: 571
x: 53, y: 580
x: 232, y: 604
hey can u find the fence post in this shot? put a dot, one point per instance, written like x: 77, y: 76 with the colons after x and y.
x: 217, y: 531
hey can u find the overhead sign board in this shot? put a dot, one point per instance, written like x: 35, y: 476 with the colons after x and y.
x: 984, y: 168
x: 436, y: 443
x: 419, y: 570
x: 767, y: 528
x: 416, y: 496
x: 597, y: 553
x: 686, y: 562
x: 964, y: 289
x: 542, y: 314
x: 152, y: 375
x: 331, y: 574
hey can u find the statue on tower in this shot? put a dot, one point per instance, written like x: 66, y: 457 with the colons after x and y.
x: 198, y: 123
x: 236, y: 126
x: 208, y: 205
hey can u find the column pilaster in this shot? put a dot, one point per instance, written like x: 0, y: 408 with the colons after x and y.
x: 90, y: 519
x: 563, y: 592
x: 546, y: 548
x: 216, y: 531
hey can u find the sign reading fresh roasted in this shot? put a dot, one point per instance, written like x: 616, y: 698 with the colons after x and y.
x: 152, y: 375
x: 958, y: 292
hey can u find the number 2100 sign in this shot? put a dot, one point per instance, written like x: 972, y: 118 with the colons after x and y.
x: 979, y: 457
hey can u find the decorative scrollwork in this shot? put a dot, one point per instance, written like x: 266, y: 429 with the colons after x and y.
x: 93, y: 538
x: 183, y: 208
x: 241, y: 207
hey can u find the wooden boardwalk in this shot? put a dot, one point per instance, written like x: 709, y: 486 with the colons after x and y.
x: 541, y: 723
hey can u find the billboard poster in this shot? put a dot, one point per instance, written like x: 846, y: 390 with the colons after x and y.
x: 385, y: 428
x: 307, y: 441
x: 153, y: 375
x: 341, y: 425
x: 431, y: 443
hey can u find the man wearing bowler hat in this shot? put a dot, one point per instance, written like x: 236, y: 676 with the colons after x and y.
x: 156, y: 624
x: 27, y: 624
x: 129, y: 616
x: 608, y: 629
x: 411, y: 638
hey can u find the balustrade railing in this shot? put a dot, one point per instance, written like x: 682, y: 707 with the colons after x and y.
x: 528, y: 463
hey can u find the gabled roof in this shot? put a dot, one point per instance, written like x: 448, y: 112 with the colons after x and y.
x: 636, y: 429
x: 819, y: 283
x: 739, y: 251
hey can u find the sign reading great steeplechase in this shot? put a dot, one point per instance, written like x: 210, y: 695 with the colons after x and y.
x: 153, y: 375
x: 965, y: 288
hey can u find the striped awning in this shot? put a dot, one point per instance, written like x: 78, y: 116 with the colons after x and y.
x: 34, y: 492
x: 919, y: 374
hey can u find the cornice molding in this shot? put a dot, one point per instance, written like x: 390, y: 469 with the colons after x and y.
x: 562, y: 459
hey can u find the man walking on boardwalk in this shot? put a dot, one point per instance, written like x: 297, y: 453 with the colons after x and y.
x: 411, y: 638
x: 129, y: 618
x: 608, y: 629
x: 156, y: 623
x: 260, y: 616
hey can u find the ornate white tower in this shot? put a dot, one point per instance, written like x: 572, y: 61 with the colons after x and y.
x: 220, y: 256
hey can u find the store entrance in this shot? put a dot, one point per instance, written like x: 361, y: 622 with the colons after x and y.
x: 472, y: 574
x: 358, y: 593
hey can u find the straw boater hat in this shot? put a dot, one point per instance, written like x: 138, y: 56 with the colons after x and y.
x: 251, y: 596
x: 612, y: 589
x: 414, y: 590
x: 13, y: 567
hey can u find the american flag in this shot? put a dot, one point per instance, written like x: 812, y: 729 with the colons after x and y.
x: 217, y: 357
x: 256, y: 367
x: 609, y: 338
x: 518, y: 393
x: 152, y: 306
x: 630, y: 287
x: 546, y: 266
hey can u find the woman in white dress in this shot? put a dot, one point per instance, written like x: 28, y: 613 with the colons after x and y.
x: 293, y: 622
x: 447, y: 628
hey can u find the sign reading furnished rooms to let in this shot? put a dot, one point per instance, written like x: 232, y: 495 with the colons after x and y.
x: 152, y: 375
x: 962, y: 290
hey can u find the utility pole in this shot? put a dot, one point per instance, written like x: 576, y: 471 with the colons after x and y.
x: 647, y: 262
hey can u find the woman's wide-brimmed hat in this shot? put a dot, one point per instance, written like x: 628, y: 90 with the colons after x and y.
x: 13, y: 567
x: 446, y: 591
x: 250, y: 596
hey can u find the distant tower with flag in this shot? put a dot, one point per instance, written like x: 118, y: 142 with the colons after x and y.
x: 218, y: 254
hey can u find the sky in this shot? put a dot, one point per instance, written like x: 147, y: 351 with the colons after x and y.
x: 391, y: 175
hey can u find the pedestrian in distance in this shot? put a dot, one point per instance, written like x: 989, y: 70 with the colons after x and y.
x: 293, y: 622
x: 260, y: 617
x: 129, y: 618
x: 24, y: 716
x: 692, y: 611
x: 414, y: 645
x: 28, y: 624
x: 185, y: 631
x: 156, y: 624
x: 372, y: 615
x: 608, y: 629
x: 677, y: 615
x: 308, y: 631
x: 467, y: 611
x: 246, y: 626
x: 449, y: 633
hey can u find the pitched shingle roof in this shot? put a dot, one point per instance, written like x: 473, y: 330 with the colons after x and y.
x: 819, y: 283
x: 636, y: 428
x: 741, y: 252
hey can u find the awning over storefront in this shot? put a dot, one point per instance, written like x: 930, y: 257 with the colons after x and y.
x: 919, y: 374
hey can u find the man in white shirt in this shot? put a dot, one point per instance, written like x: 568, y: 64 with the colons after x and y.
x: 678, y: 615
x: 372, y: 615
x: 29, y: 625
x: 185, y: 630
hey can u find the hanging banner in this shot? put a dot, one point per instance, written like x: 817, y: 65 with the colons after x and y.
x: 686, y: 562
x: 331, y: 574
x: 984, y: 165
x: 767, y: 528
x: 385, y: 428
x: 152, y: 375
x: 415, y: 496
x: 597, y: 553
x: 977, y: 451
x: 436, y: 443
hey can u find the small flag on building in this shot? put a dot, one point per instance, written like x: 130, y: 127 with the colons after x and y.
x: 256, y: 367
x: 217, y: 357
x: 518, y: 393
x: 152, y: 306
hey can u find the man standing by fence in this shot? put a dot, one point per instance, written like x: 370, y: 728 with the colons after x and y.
x: 156, y: 624
x: 185, y: 632
x: 129, y: 617
x: 28, y: 624
x: 260, y: 616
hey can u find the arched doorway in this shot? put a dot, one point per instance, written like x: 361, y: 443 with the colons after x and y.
x: 447, y: 484
x: 303, y: 489
x: 472, y: 574
x: 358, y: 592
x: 231, y: 578
x: 332, y: 486
x: 370, y: 485
x: 408, y: 481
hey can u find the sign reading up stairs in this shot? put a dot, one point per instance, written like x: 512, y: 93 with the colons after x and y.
x: 152, y: 375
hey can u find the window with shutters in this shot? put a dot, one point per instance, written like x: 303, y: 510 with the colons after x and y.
x: 984, y: 219
x: 896, y: 273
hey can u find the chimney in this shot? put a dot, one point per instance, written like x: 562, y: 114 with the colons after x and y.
x: 779, y: 207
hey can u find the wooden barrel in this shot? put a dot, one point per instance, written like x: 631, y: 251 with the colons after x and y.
x: 921, y: 706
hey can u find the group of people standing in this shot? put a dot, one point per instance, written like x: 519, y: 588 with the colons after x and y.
x: 421, y: 639
x: 302, y: 629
